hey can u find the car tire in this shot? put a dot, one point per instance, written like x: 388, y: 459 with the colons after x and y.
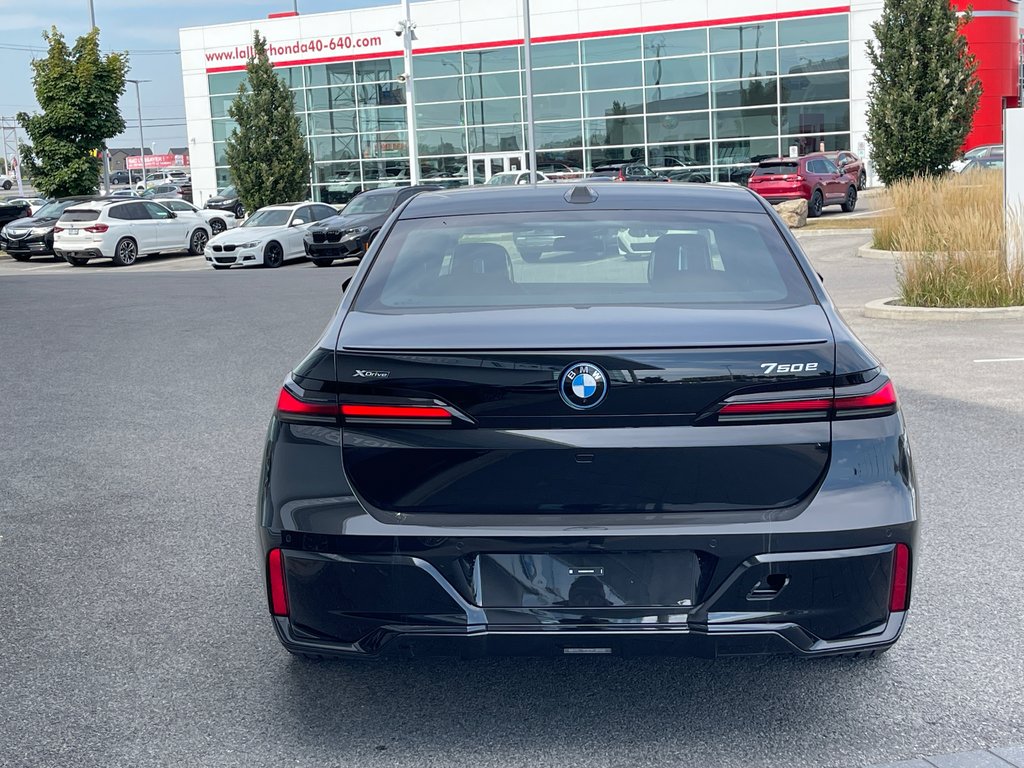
x: 217, y: 226
x: 20, y: 256
x: 8, y: 185
x: 531, y: 255
x: 815, y: 205
x: 323, y: 262
x: 273, y: 255
x: 126, y: 253
x: 197, y: 243
x: 239, y: 211
x: 862, y: 181
x: 850, y: 203
x: 75, y: 261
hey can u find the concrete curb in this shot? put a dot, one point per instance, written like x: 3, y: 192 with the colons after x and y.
x: 885, y: 309
x: 867, y: 252
x: 836, y: 232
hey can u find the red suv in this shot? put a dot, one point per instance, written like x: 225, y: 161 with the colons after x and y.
x: 814, y: 178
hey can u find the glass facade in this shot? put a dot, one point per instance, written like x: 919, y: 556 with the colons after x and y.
x: 716, y: 99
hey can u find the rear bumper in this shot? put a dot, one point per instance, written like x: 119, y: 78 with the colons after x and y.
x: 80, y: 253
x: 365, y: 605
x: 782, y: 197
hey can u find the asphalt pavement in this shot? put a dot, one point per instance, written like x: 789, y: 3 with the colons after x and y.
x: 133, y: 625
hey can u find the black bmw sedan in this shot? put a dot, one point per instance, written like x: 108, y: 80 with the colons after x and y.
x: 583, y: 453
x: 33, y: 235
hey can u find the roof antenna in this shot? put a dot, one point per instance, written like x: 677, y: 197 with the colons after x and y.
x: 580, y: 195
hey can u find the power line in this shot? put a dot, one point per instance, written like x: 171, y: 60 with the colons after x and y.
x: 132, y: 51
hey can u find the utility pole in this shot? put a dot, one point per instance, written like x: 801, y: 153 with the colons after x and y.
x: 142, y: 139
x: 531, y: 144
x: 92, y: 17
x: 408, y: 35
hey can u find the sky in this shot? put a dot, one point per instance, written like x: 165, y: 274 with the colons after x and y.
x: 148, y: 30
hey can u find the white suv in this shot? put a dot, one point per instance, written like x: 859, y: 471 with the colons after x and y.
x: 123, y: 230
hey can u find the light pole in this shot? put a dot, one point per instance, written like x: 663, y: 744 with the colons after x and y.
x: 92, y: 17
x: 142, y: 139
x: 528, y: 65
x: 408, y: 34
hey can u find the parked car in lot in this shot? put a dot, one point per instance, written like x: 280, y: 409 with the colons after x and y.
x: 33, y: 203
x: 10, y: 210
x: 976, y: 164
x: 690, y: 454
x: 124, y: 193
x: 628, y: 172
x: 218, y: 220
x: 847, y: 162
x: 33, y: 236
x: 695, y: 175
x: 123, y: 230
x: 227, y: 200
x: 6, y: 182
x: 351, y: 232
x: 984, y: 152
x: 813, y: 177
x: 269, y: 237
x: 169, y: 192
x: 509, y: 178
x: 125, y: 177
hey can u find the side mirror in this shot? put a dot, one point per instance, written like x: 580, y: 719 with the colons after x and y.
x: 297, y: 222
x: 173, y: 214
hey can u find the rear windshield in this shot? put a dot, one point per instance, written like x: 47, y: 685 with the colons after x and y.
x: 775, y: 169
x: 591, y: 259
x: 79, y: 214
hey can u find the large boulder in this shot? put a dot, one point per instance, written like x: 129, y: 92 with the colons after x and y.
x: 793, y: 212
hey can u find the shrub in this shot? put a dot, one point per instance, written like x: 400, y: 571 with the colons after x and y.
x: 954, y: 226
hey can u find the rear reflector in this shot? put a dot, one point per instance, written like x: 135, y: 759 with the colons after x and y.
x: 289, y: 403
x: 395, y: 411
x: 900, y: 578
x: 275, y: 578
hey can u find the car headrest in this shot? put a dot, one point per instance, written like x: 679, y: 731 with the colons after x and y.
x: 491, y: 259
x: 677, y: 255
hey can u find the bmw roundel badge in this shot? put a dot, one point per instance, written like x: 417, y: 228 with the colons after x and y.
x: 583, y: 386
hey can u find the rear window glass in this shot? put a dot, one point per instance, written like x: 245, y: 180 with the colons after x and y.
x: 596, y: 258
x: 371, y: 203
x: 775, y: 169
x: 79, y: 214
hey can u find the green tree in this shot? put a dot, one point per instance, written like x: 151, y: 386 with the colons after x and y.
x: 78, y: 90
x: 924, y: 91
x: 266, y: 153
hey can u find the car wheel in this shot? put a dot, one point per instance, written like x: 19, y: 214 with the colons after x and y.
x: 323, y: 262
x: 197, y: 244
x: 239, y: 211
x: 126, y: 252
x: 217, y: 226
x: 862, y: 181
x: 75, y: 261
x: 851, y: 200
x: 531, y: 254
x: 273, y: 255
x: 20, y: 256
x: 815, y: 205
x: 8, y: 185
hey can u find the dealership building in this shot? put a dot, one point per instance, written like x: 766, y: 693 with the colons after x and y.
x: 713, y: 85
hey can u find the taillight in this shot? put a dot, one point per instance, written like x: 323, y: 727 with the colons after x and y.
x: 395, y: 411
x: 58, y: 229
x: 275, y: 580
x: 898, y: 597
x: 881, y: 402
x: 97, y: 229
x: 289, y: 404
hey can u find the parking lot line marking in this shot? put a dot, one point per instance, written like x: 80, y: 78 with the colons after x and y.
x: 1001, y: 360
